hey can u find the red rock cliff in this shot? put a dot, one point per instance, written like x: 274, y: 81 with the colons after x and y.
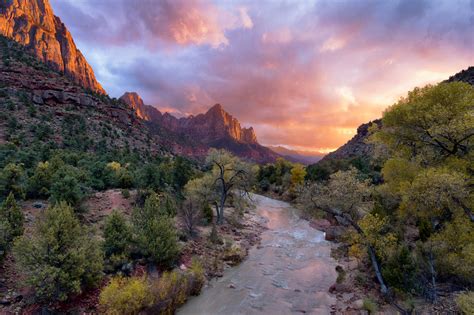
x: 33, y: 24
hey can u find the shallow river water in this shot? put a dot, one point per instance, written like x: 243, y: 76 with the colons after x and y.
x: 289, y: 273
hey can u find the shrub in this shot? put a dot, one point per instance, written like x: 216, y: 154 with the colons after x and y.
x: 125, y: 296
x: 66, y: 189
x: 12, y: 218
x: 197, y: 271
x: 12, y: 180
x: 60, y: 257
x: 465, y: 302
x: 155, y: 233
x: 126, y: 193
x: 207, y: 213
x: 189, y: 214
x: 370, y: 306
x: 117, y: 235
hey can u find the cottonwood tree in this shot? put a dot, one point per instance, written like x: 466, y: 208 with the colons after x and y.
x: 433, y: 122
x: 346, y: 197
x: 229, y: 174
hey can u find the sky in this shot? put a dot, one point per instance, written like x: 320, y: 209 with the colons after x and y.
x: 304, y: 73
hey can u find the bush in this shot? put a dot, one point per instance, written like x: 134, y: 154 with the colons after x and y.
x: 465, y: 302
x: 207, y: 213
x: 117, y: 235
x: 60, y: 257
x: 125, y: 296
x: 155, y: 233
x: 198, y: 279
x: 370, y: 306
x: 12, y: 218
x: 66, y: 189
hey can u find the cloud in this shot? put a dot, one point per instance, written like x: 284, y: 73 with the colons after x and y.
x: 304, y: 73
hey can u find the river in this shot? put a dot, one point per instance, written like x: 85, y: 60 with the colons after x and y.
x: 289, y: 273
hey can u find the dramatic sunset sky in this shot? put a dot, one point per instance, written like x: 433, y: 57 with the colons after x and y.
x: 303, y: 73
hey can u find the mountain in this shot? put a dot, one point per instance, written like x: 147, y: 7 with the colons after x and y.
x: 193, y: 134
x: 466, y: 75
x: 303, y: 157
x: 42, y: 106
x: 357, y: 146
x: 32, y: 24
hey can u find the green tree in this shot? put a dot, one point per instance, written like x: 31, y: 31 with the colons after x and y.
x: 155, y: 233
x: 12, y: 217
x: 117, y: 235
x: 434, y: 123
x: 60, y: 257
x: 12, y: 179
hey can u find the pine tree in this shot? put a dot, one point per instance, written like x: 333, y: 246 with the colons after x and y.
x: 59, y: 258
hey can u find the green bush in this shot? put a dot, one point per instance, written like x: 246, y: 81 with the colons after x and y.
x: 370, y: 306
x: 155, y: 233
x: 117, y: 235
x: 207, y: 213
x: 12, y: 218
x: 125, y: 296
x: 66, y: 189
x: 59, y: 258
x: 465, y: 302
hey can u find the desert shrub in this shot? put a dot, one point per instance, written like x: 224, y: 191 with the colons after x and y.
x: 126, y: 193
x: 198, y: 276
x: 155, y: 233
x: 189, y: 214
x: 170, y: 292
x: 465, y: 302
x: 370, y: 306
x: 12, y: 180
x: 66, y: 189
x: 117, y: 235
x: 125, y: 296
x: 12, y: 218
x: 60, y: 257
x: 207, y: 213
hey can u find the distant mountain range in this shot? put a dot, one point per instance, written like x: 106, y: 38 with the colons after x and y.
x: 297, y: 156
x: 193, y: 135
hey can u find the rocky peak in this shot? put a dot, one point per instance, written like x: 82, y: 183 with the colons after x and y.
x: 466, y: 75
x: 145, y: 112
x: 33, y: 24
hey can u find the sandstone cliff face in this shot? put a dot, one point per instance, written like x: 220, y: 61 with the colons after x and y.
x: 145, y: 112
x: 33, y: 24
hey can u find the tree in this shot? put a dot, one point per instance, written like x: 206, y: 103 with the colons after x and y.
x: 12, y: 180
x: 40, y: 183
x: 298, y: 174
x: 117, y: 235
x: 60, y: 257
x: 228, y: 173
x: 434, y: 122
x: 346, y: 198
x: 155, y: 233
x: 12, y: 218
x: 190, y: 213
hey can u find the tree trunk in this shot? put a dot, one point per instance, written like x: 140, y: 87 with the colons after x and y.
x: 433, y: 293
x: 378, y: 273
x: 218, y: 214
x: 220, y: 219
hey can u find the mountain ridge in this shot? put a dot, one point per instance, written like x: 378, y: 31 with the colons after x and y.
x: 214, y: 128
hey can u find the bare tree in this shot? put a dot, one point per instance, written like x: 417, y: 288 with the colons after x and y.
x: 190, y: 214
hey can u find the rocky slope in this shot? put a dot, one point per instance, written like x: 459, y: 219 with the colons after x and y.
x: 33, y: 24
x: 464, y: 76
x: 39, y: 105
x: 193, y: 134
x: 357, y: 146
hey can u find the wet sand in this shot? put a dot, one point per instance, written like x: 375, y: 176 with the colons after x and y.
x: 289, y: 273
